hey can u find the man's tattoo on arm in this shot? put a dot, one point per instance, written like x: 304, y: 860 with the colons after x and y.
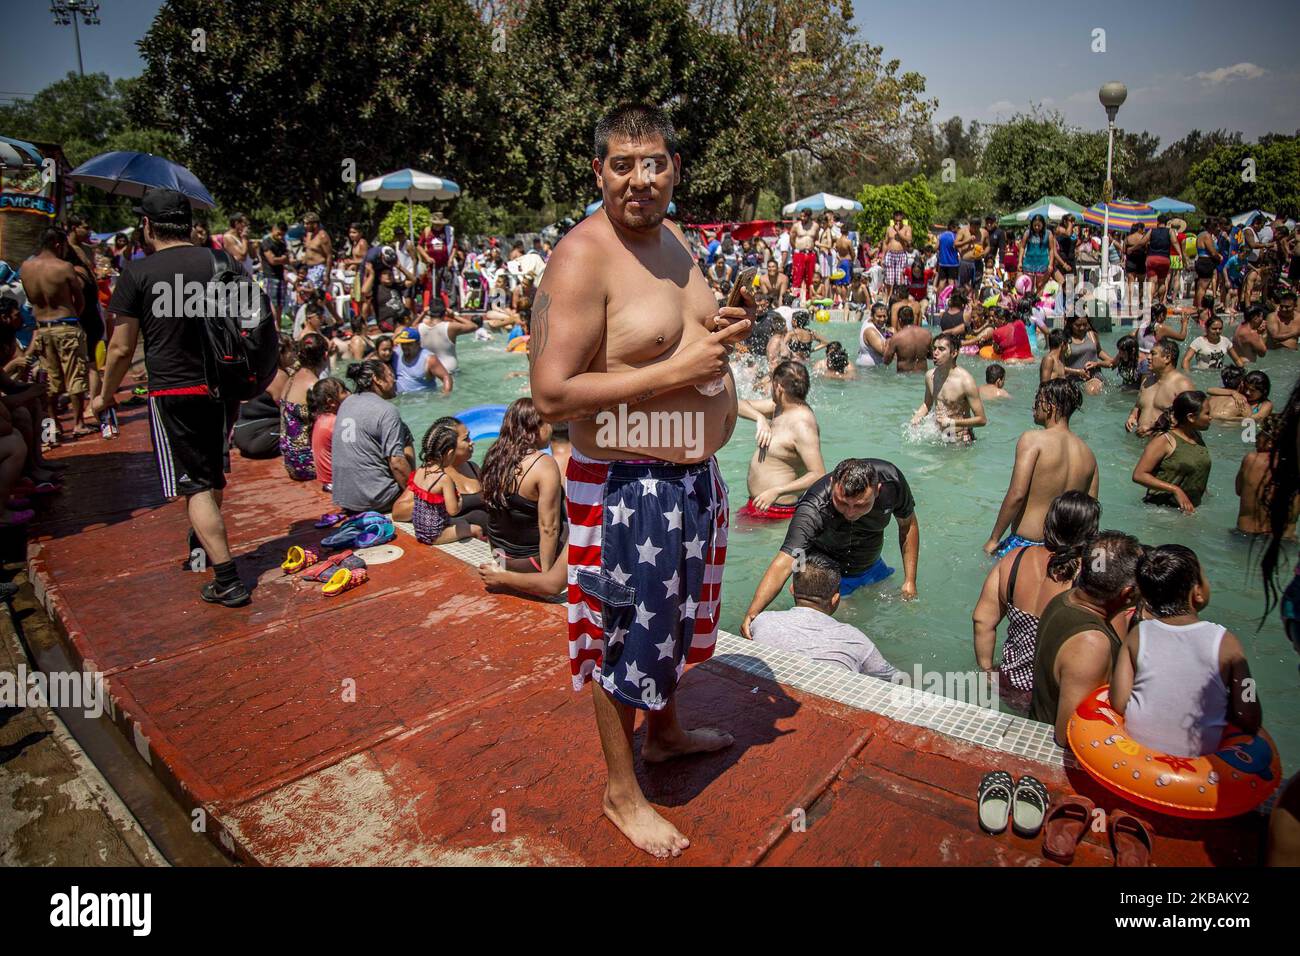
x: 538, y: 326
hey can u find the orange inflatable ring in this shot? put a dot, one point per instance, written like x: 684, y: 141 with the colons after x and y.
x: 988, y: 352
x: 518, y: 344
x: 1233, y: 780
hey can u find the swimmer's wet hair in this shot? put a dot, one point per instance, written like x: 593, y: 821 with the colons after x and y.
x: 837, y: 359
x: 1169, y: 347
x: 1260, y: 380
x: 818, y: 580
x: 1056, y: 338
x: 1072, y: 520
x: 1061, y: 395
x: 1165, y: 578
x: 635, y: 121
x: 793, y: 377
x: 363, y: 374
x: 1184, y: 406
x: 906, y: 316
x: 994, y: 373
x: 1109, y: 564
x: 1231, y: 376
x: 854, y: 476
x: 324, y: 397
x: 954, y: 343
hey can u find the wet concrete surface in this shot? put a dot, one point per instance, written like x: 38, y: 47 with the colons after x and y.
x: 419, y: 720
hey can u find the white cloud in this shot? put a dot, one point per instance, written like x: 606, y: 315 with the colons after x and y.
x: 1226, y: 74
x: 1002, y: 106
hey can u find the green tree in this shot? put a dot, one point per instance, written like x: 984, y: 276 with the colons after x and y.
x: 644, y: 51
x: 1165, y: 173
x: 289, y: 95
x: 913, y: 197
x: 1036, y: 155
x: 962, y: 198
x: 1233, y: 179
x: 419, y: 215
x: 86, y: 116
x: 845, y: 111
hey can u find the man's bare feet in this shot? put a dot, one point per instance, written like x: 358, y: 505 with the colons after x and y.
x: 700, y: 740
x: 647, y: 830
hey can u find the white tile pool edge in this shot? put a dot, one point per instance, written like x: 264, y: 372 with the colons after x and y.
x: 983, y: 727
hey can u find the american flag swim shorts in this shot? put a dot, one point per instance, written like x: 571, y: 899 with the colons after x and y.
x: 647, y: 544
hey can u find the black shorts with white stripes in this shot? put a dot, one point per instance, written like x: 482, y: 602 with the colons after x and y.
x: 190, y: 441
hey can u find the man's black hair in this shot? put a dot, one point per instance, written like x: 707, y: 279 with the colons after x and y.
x: 1109, y: 564
x: 635, y: 121
x: 818, y: 580
x: 854, y: 476
x: 793, y: 377
x: 994, y: 373
x: 53, y: 237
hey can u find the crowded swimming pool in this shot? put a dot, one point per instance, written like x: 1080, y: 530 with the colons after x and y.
x: 958, y: 492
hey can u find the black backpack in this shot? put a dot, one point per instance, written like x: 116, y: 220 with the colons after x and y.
x: 240, y: 334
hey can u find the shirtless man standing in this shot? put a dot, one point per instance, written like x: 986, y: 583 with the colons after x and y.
x: 1248, y: 340
x: 952, y: 393
x: 788, y: 458
x: 910, y: 345
x: 1162, y: 385
x: 1049, y: 462
x: 317, y: 251
x: 804, y: 235
x: 638, y: 337
x: 54, y: 291
x: 1284, y: 325
x: 898, y: 239
x: 235, y: 239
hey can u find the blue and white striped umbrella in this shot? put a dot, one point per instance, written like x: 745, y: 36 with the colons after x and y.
x: 15, y: 154
x: 410, y: 185
x: 822, y: 202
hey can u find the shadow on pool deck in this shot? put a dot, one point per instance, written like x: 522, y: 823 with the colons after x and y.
x: 420, y: 720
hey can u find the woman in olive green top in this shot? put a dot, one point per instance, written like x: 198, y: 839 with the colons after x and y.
x: 1175, y: 466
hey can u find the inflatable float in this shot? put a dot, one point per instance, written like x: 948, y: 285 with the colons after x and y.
x: 1233, y: 780
x: 483, y: 421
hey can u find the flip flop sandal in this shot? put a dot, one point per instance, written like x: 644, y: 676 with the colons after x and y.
x: 350, y: 530
x: 1130, y: 838
x: 17, y: 518
x: 330, y: 520
x: 1065, y: 826
x: 297, y: 559
x: 322, y: 570
x: 377, y: 531
x: 994, y: 801
x: 1029, y: 802
x: 39, y: 488
x: 344, y: 579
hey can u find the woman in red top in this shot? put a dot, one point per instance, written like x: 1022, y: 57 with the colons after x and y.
x: 1008, y: 336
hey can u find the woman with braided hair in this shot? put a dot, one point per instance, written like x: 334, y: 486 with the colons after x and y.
x: 1019, y: 588
x: 431, y: 501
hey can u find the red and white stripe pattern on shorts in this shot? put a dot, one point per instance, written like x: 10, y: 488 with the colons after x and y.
x: 584, y: 489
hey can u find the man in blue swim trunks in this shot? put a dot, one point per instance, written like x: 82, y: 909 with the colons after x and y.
x: 1049, y: 461
x: 844, y: 516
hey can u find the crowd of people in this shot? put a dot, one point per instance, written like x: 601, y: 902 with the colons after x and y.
x: 368, y: 320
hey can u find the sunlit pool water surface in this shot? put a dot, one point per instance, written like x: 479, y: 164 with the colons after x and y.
x: 958, y: 493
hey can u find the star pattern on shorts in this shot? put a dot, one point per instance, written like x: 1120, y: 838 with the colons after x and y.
x: 643, y: 615
x: 649, y: 486
x: 620, y: 513
x: 694, y: 548
x: 647, y: 552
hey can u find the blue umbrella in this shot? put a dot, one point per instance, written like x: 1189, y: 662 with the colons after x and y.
x: 672, y: 208
x: 1169, y: 204
x: 822, y: 202
x: 127, y: 173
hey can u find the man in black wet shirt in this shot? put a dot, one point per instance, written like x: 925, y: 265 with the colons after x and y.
x: 844, y: 516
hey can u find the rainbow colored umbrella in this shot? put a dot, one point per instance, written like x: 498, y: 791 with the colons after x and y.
x: 1123, y: 214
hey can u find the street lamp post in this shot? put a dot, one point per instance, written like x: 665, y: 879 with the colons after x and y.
x: 68, y: 12
x: 1112, y: 96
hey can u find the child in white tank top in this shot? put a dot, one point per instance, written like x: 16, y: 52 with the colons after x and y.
x: 1179, y: 681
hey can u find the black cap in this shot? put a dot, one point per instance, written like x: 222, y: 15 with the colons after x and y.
x: 165, y: 205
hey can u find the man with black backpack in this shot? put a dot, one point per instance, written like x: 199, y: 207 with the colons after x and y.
x: 193, y: 401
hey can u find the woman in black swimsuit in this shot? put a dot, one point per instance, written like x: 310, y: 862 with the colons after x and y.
x: 522, y: 491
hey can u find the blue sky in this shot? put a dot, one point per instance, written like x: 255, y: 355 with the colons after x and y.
x: 1188, y: 63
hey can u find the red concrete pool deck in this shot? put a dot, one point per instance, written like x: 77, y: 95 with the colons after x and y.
x: 463, y: 742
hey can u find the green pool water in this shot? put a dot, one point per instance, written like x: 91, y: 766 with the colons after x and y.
x: 958, y: 492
